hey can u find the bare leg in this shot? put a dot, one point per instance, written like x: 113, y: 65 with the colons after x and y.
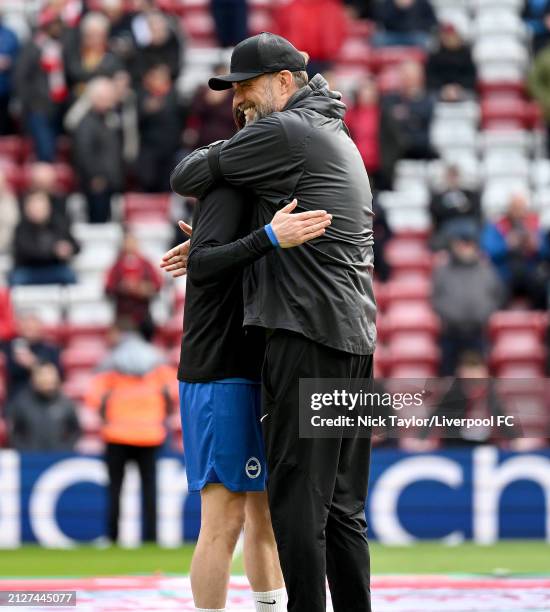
x: 261, y: 560
x: 222, y: 519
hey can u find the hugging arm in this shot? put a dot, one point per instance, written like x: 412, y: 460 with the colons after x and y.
x: 214, y: 252
x: 256, y: 156
x: 218, y: 247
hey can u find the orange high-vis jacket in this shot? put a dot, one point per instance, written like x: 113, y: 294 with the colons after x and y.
x: 133, y: 408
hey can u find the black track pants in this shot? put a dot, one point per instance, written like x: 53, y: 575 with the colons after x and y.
x: 316, y: 487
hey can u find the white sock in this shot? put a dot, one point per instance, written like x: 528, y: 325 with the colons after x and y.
x: 210, y: 609
x: 270, y: 601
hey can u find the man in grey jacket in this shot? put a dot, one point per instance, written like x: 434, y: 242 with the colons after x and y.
x: 41, y: 418
x: 466, y: 292
x: 316, y: 303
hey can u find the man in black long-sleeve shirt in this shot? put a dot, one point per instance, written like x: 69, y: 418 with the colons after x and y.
x: 219, y: 377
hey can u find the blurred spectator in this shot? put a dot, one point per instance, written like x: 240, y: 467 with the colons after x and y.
x: 538, y: 82
x: 7, y: 320
x: 404, y: 23
x: 98, y: 151
x: 9, y: 47
x: 41, y: 417
x: 451, y: 70
x: 231, y: 21
x: 43, y: 177
x: 382, y: 235
x: 159, y: 40
x: 210, y: 116
x: 125, y: 108
x: 41, y: 85
x: 121, y: 40
x: 451, y: 203
x: 517, y: 246
x: 536, y: 14
x: 363, y: 121
x: 133, y: 282
x: 43, y: 245
x: 160, y: 128
x: 88, y: 56
x: 133, y: 394
x: 466, y: 291
x: 304, y: 23
x: 9, y: 214
x: 406, y: 119
x: 26, y: 349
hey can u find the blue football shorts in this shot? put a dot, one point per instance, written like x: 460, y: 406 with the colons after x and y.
x: 222, y: 435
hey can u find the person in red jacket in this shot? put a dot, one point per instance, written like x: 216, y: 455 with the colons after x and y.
x: 304, y: 24
x: 363, y: 121
x: 132, y: 283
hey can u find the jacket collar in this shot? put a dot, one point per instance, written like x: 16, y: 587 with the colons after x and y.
x: 317, y: 96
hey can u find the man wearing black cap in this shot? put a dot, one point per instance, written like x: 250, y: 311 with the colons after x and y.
x: 315, y: 301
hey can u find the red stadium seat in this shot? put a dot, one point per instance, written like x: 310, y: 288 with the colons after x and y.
x: 355, y: 52
x: 411, y: 350
x: 378, y: 365
x: 260, y: 19
x: 360, y: 28
x: 412, y: 371
x: 516, y: 348
x: 66, y: 177
x: 418, y: 235
x: 170, y: 334
x: 502, y: 88
x: 408, y: 290
x: 518, y: 321
x: 200, y: 27
x: 391, y: 56
x: 70, y: 333
x: 13, y: 148
x: 64, y: 149
x: 380, y: 294
x: 409, y: 317
x: 174, y: 355
x: 146, y: 207
x: 179, y: 299
x: 3, y: 433
x: 505, y: 112
x: 15, y: 175
x: 176, y: 7
x: 521, y: 370
x: 77, y: 385
x: 408, y: 255
x: 83, y: 355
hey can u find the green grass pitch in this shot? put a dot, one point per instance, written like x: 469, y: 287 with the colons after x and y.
x: 515, y: 557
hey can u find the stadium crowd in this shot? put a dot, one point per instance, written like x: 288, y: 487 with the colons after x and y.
x: 448, y: 103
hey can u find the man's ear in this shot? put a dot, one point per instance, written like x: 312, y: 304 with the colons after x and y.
x: 286, y: 82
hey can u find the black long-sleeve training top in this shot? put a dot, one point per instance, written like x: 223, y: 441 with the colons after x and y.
x: 214, y: 344
x: 322, y: 289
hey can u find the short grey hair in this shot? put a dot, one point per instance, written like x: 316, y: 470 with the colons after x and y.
x: 300, y: 78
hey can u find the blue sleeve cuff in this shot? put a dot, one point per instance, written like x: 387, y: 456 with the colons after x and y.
x: 271, y: 234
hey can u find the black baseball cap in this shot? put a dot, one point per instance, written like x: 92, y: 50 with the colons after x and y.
x: 261, y: 54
